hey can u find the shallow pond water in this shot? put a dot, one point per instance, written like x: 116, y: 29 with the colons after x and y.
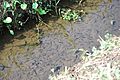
x: 58, y: 40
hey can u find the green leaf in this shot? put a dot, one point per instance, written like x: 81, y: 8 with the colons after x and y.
x: 34, y: 5
x: 23, y: 6
x: 11, y: 32
x: 41, y: 11
x: 14, y: 2
x: 8, y: 20
x: 6, y: 5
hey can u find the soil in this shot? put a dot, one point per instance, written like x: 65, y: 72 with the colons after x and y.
x: 24, y: 58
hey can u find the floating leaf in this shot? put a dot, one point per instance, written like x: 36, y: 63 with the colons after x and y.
x: 8, y: 20
x: 35, y: 5
x: 6, y: 5
x: 23, y: 6
x: 11, y: 32
x: 41, y: 11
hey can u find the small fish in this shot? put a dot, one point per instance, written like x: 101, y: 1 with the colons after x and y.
x: 113, y: 22
x: 2, y: 67
x: 57, y: 68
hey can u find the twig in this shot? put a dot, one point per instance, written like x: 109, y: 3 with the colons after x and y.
x: 80, y: 2
x: 57, y: 2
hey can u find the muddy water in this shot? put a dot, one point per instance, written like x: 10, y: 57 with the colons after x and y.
x: 25, y: 42
x: 56, y: 44
x: 21, y: 43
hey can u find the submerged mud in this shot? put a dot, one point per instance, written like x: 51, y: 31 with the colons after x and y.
x: 59, y: 46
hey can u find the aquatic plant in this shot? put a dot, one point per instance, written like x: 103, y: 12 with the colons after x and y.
x: 15, y: 13
x: 68, y: 14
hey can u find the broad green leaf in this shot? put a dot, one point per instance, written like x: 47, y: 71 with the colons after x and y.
x: 8, y: 20
x: 23, y: 6
x: 11, y: 32
x: 41, y: 11
x: 6, y: 5
x: 34, y: 5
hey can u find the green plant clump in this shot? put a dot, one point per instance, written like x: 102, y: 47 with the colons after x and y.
x: 69, y: 14
x: 15, y: 13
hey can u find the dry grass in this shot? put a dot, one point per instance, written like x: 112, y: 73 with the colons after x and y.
x: 103, y: 64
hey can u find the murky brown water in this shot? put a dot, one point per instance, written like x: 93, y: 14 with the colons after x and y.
x: 27, y: 41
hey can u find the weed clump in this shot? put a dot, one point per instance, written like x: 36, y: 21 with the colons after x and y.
x: 15, y: 13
